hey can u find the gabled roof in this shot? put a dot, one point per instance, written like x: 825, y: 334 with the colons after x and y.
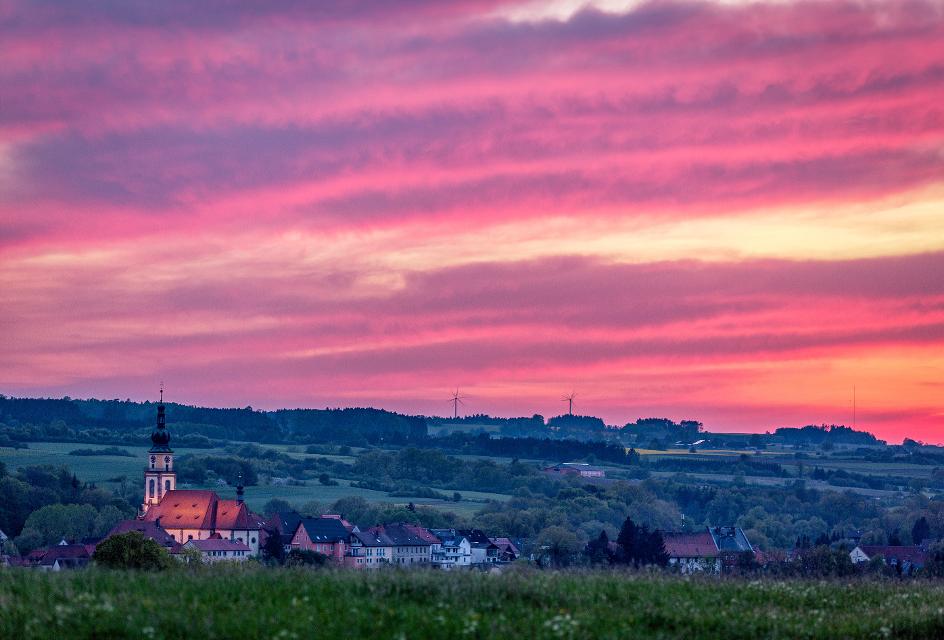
x: 448, y: 537
x: 64, y: 552
x: 422, y: 532
x: 506, y: 545
x: 146, y: 528
x: 185, y: 509
x: 217, y: 544
x: 324, y: 529
x: 730, y: 539
x: 232, y: 514
x: 200, y: 509
x: 402, y: 535
x: 689, y: 545
x: 371, y: 538
x: 477, y: 538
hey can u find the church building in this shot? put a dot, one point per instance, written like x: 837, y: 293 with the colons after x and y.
x: 192, y: 514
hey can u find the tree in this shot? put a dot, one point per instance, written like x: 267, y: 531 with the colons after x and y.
x: 894, y: 540
x: 131, y: 551
x: 276, y: 505
x: 598, y: 550
x: 639, y: 546
x: 920, y: 531
x: 302, y: 558
x: 558, y: 546
x: 273, y: 549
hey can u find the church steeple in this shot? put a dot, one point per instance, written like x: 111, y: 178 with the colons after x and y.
x: 160, y: 438
x: 159, y: 475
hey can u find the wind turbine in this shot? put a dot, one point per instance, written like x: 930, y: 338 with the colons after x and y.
x: 570, y: 402
x: 456, y: 400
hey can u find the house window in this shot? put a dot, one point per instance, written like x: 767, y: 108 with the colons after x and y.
x: 166, y: 486
x: 151, y: 487
x: 153, y: 460
x: 166, y: 463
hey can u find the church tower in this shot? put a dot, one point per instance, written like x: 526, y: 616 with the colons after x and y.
x: 159, y: 475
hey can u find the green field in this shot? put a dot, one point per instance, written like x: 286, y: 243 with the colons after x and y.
x: 270, y: 603
x: 103, y: 469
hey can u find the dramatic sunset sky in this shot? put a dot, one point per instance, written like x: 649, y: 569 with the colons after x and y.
x: 723, y: 211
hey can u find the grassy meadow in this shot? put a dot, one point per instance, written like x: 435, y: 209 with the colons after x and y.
x: 104, y: 470
x: 259, y: 603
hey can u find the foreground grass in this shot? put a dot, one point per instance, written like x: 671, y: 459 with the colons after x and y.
x: 259, y: 603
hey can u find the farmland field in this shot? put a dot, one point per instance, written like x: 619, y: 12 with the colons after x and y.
x: 268, y: 603
x: 103, y: 469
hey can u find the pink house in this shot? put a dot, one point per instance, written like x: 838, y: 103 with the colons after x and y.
x: 327, y: 535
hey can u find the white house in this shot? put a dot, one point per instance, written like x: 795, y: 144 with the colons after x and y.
x: 453, y: 552
x: 220, y: 550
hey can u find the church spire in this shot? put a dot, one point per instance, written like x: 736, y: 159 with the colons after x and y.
x: 160, y: 438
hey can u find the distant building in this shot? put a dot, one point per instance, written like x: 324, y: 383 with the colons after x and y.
x: 712, y: 550
x: 508, y: 550
x: 484, y: 551
x: 581, y: 469
x: 408, y: 547
x: 327, y: 535
x: 284, y: 524
x: 454, y: 550
x: 188, y: 514
x: 59, y: 557
x: 218, y: 549
x: 148, y: 529
x: 368, y: 550
x: 692, y: 552
x: 907, y: 558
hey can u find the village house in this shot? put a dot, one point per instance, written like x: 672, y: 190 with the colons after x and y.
x: 577, y: 469
x: 149, y: 530
x: 189, y: 514
x: 712, y: 550
x: 908, y: 559
x: 328, y: 535
x: 368, y: 550
x: 283, y: 524
x: 508, y: 551
x: 692, y: 552
x: 484, y: 551
x: 59, y: 557
x: 218, y: 549
x: 408, y: 548
x: 454, y: 551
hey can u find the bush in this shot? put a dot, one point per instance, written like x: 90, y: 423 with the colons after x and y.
x: 132, y: 551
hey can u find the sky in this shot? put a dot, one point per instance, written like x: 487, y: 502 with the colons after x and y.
x: 724, y: 211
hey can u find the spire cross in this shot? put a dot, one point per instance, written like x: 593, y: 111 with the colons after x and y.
x: 162, y: 391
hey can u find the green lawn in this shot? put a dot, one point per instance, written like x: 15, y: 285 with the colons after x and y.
x: 273, y: 603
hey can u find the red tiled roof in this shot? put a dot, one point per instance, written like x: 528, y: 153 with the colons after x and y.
x: 422, y: 533
x: 914, y: 555
x: 505, y: 544
x: 200, y: 509
x: 689, y: 545
x: 232, y: 514
x: 185, y: 509
x: 64, y: 552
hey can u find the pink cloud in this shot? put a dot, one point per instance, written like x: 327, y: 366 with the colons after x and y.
x: 126, y: 125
